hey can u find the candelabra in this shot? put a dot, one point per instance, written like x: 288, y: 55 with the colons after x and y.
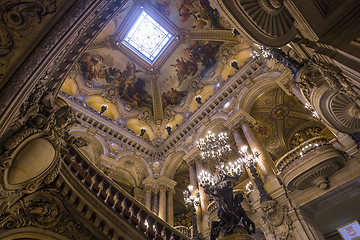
x: 191, y: 201
x: 250, y: 161
x: 213, y: 146
x: 261, y: 51
x: 312, y: 110
x: 220, y: 186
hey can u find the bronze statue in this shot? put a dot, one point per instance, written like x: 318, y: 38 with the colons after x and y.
x: 230, y: 211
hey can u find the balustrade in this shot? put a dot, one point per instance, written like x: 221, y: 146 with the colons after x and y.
x: 312, y: 163
x: 117, y: 199
x: 298, y: 152
x: 187, y: 231
x: 211, y: 207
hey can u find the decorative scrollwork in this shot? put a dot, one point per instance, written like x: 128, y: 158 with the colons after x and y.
x: 277, y: 220
x: 18, y: 16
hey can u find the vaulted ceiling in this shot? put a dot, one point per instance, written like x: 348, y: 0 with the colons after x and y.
x: 134, y: 89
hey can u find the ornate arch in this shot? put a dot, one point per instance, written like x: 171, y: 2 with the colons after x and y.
x: 268, y: 22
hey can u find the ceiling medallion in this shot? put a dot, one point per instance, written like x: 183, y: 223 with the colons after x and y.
x: 280, y: 112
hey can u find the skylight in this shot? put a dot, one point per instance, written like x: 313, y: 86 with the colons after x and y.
x: 147, y: 38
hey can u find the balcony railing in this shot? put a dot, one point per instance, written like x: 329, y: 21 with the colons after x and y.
x: 187, y: 231
x: 117, y: 199
x: 211, y: 207
x: 310, y: 164
x: 298, y: 152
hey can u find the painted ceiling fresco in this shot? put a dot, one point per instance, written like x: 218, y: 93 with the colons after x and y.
x: 109, y: 72
x: 280, y: 118
x: 102, y: 68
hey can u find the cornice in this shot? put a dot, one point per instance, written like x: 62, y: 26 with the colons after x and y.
x: 97, y: 122
x: 208, y: 107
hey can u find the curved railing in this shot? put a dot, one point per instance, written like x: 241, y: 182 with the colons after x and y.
x: 211, y: 207
x: 117, y: 199
x: 300, y: 151
x: 187, y: 231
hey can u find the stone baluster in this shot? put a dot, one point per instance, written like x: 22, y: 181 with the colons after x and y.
x: 266, y: 163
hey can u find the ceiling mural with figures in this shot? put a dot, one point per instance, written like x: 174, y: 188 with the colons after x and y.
x: 112, y: 73
x: 99, y: 67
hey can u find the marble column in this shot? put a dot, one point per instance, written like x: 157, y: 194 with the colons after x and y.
x: 204, y: 198
x: 170, y: 207
x: 155, y: 202
x: 240, y: 141
x: 162, y: 203
x: 265, y: 162
x: 194, y: 183
x: 148, y: 197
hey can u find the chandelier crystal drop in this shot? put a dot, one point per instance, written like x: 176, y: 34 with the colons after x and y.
x: 248, y: 159
x: 190, y: 199
x: 213, y: 146
x: 261, y: 51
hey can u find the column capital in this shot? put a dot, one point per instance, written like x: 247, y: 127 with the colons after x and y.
x: 171, y: 191
x: 194, y: 152
x: 165, y: 182
x: 148, y: 189
x: 238, y: 117
x: 149, y: 182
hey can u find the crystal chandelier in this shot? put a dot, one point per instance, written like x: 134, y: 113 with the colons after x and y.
x: 214, y: 147
x: 251, y: 162
x: 261, y: 51
x: 189, y: 199
x: 312, y: 110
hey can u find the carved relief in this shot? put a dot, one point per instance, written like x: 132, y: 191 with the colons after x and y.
x: 277, y: 220
x: 39, y: 141
x: 18, y: 17
x: 44, y: 209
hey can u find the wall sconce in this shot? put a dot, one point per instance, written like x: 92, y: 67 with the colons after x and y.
x: 143, y: 131
x: 168, y: 129
x: 104, y: 107
x: 234, y: 64
x: 198, y: 99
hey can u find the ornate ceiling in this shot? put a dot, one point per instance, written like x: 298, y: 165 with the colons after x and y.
x: 280, y: 117
x: 139, y: 94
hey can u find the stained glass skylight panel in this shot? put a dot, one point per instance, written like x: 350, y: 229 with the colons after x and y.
x: 147, y: 38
